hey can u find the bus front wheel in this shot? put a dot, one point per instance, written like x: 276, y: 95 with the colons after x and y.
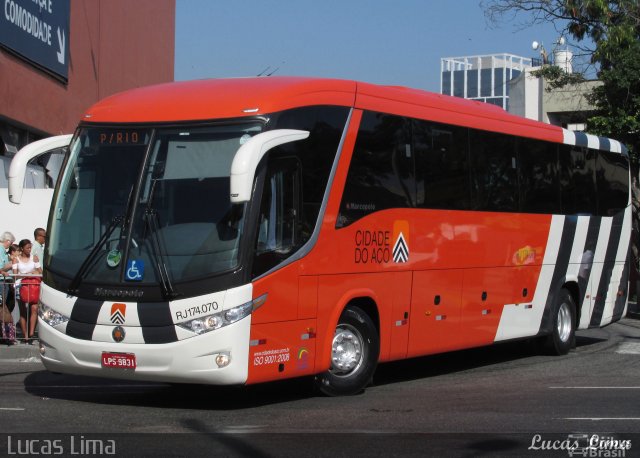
x: 354, y: 354
x: 562, y: 336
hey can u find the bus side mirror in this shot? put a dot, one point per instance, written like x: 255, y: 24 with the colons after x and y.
x: 18, y: 167
x: 245, y: 162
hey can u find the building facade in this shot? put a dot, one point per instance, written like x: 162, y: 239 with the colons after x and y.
x: 483, y: 78
x: 58, y: 57
x: 568, y: 107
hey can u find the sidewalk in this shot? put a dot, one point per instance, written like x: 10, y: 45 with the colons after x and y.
x: 20, y: 351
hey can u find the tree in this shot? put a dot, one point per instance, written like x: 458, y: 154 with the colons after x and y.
x: 608, y: 32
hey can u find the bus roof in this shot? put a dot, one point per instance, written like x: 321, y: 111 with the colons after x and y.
x: 201, y: 100
x: 239, y: 97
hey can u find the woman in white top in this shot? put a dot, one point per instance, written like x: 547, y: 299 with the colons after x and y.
x: 24, y: 264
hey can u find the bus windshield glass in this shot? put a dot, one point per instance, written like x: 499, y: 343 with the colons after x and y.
x: 148, y: 206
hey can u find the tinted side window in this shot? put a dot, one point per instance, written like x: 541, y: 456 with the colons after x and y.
x: 539, y: 181
x: 494, y: 181
x: 442, y: 165
x: 279, y: 228
x: 381, y: 170
x: 577, y: 180
x: 612, y: 180
x: 316, y: 154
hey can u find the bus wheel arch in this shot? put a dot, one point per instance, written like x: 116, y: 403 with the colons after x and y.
x: 574, y: 290
x: 563, y: 323
x: 355, y: 349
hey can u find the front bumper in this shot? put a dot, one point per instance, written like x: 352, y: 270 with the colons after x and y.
x: 191, y: 360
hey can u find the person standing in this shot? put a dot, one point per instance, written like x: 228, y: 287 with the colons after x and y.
x: 39, y: 236
x: 8, y: 327
x: 7, y: 291
x: 24, y: 264
x: 6, y: 239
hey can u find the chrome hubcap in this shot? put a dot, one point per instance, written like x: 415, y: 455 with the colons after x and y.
x: 346, y: 350
x: 564, y: 322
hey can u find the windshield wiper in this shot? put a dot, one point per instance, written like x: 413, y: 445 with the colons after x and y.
x: 73, y: 286
x: 157, y: 251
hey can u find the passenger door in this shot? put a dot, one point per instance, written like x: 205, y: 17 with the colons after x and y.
x: 279, y: 217
x: 278, y: 237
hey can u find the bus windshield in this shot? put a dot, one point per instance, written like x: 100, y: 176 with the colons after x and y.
x: 148, y: 206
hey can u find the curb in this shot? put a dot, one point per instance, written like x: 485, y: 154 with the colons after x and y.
x: 20, y: 352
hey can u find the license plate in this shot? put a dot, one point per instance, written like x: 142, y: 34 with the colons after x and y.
x: 119, y: 360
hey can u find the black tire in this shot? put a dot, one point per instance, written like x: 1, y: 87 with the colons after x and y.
x: 355, y: 349
x: 563, y: 332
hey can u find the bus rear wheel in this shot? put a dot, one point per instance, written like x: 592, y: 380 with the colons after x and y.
x: 562, y: 336
x: 354, y: 355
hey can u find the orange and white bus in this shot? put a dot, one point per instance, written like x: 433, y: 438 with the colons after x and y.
x: 245, y: 230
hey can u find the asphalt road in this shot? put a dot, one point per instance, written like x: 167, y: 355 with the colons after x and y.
x: 504, y: 400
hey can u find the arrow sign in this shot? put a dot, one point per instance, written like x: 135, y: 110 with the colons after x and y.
x: 61, y: 44
x: 28, y: 29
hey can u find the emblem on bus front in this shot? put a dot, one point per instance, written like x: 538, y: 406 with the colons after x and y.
x: 118, y: 334
x: 118, y: 313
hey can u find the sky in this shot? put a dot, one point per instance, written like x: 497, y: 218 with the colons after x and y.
x: 394, y: 42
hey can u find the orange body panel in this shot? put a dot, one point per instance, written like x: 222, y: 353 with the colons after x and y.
x: 282, y: 295
x: 281, y: 350
x: 484, y: 296
x: 307, y: 297
x: 400, y: 315
x: 435, y: 312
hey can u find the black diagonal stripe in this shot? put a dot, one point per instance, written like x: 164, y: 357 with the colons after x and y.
x: 621, y: 300
x: 400, y: 250
x: 400, y: 245
x: 560, y: 269
x: 117, y: 318
x: 79, y: 330
x: 83, y: 319
x: 156, y: 322
x: 586, y: 263
x: 159, y: 334
x: 607, y: 269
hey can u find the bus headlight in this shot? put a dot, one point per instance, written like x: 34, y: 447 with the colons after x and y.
x: 50, y: 316
x: 221, y: 319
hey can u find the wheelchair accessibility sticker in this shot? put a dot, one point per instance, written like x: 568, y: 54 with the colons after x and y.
x: 135, y: 270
